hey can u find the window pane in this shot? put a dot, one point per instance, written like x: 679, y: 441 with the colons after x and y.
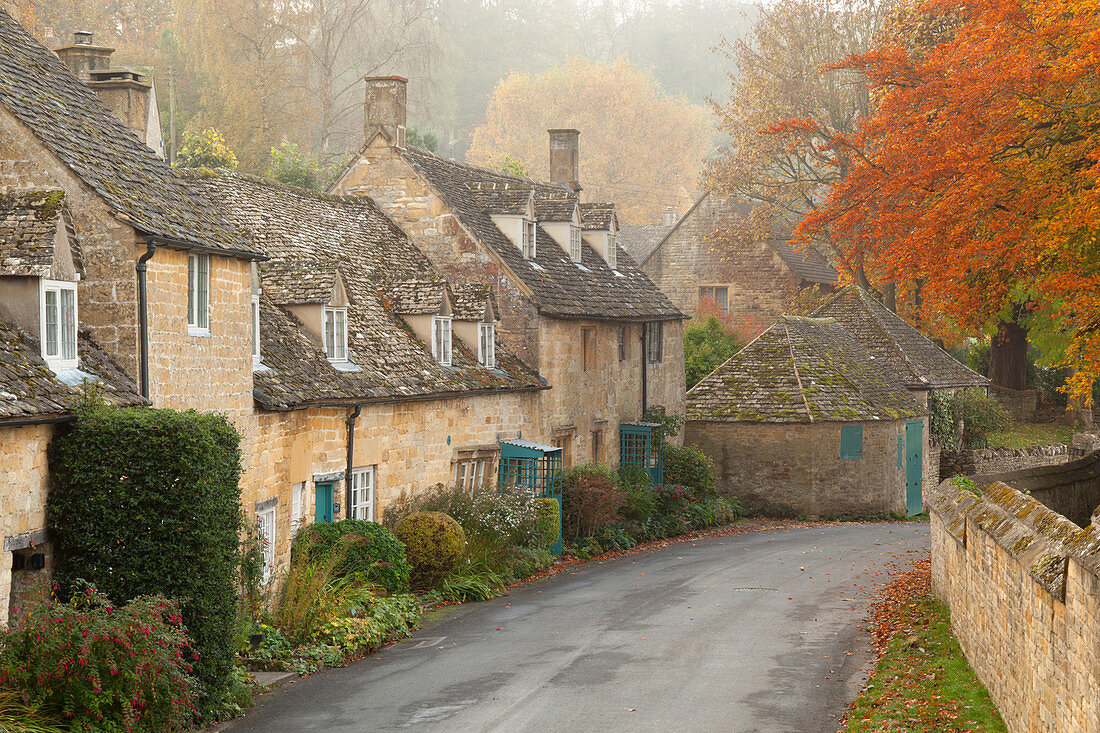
x: 330, y: 334
x: 203, y: 292
x: 340, y: 334
x: 255, y: 328
x: 191, y: 290
x: 68, y: 324
x: 51, y: 323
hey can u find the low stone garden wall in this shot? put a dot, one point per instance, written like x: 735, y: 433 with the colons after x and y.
x: 1023, y: 585
x: 986, y: 461
x: 1022, y: 404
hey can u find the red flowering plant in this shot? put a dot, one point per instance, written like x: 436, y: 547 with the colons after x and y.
x: 673, y: 501
x: 100, y: 666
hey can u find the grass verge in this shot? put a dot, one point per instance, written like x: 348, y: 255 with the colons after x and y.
x: 922, y: 681
x: 1027, y: 435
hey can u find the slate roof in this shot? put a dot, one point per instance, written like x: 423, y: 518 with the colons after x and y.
x: 800, y: 370
x: 808, y: 263
x: 559, y: 288
x: 417, y: 297
x: 470, y: 300
x: 641, y: 240
x: 30, y: 390
x: 374, y: 256
x: 294, y: 281
x: 74, y: 125
x: 555, y: 208
x: 597, y: 217
x: 900, y: 349
x: 28, y: 225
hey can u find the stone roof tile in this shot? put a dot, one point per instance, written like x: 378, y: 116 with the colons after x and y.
x: 800, y: 370
x: 559, y: 288
x: 900, y: 349
x: 29, y: 389
x: 28, y: 226
x: 374, y: 257
x: 291, y: 282
x: 74, y: 125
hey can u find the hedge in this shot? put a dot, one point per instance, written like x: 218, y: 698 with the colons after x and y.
x: 148, y: 502
x: 381, y: 559
x: 689, y: 466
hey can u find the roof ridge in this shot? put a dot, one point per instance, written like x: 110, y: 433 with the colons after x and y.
x: 864, y: 295
x: 832, y: 365
x: 797, y: 378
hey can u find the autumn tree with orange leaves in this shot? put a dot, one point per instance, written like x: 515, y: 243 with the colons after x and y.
x: 976, y: 176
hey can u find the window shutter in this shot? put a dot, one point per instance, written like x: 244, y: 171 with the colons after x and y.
x: 851, y: 442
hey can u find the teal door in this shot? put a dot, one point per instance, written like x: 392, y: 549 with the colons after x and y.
x: 324, y: 502
x: 914, y: 466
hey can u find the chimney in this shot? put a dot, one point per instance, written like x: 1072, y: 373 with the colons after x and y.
x: 386, y: 109
x: 83, y: 56
x: 123, y: 91
x: 565, y: 158
x: 669, y: 217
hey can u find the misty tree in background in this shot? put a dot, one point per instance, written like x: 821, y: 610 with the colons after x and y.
x: 426, y: 140
x: 289, y: 165
x: 789, y: 117
x: 206, y: 149
x: 640, y: 148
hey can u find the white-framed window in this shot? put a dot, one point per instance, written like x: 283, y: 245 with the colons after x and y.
x: 473, y: 473
x: 336, y: 334
x: 612, y: 251
x: 255, y: 329
x: 59, y: 318
x: 198, y: 293
x: 362, y: 493
x: 486, y: 344
x: 575, y: 248
x: 441, y: 339
x: 654, y: 341
x: 297, y: 506
x: 266, y: 519
x: 528, y: 239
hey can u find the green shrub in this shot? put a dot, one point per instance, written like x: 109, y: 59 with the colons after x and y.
x: 978, y: 413
x: 510, y: 515
x: 689, y: 466
x: 549, y: 521
x: 639, y: 497
x: 379, y: 558
x: 434, y: 543
x: 148, y: 502
x: 674, y: 500
x: 707, y: 345
x: 668, y: 424
x: 102, y: 667
x: 591, y: 499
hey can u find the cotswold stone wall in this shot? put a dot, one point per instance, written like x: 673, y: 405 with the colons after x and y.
x: 795, y: 469
x: 988, y: 461
x: 1071, y: 489
x: 1023, y: 586
x: 24, y: 482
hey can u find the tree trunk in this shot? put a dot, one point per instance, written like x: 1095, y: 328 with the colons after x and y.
x: 890, y: 296
x: 1008, y: 356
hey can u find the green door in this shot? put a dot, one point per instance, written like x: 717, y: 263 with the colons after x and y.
x: 914, y: 466
x: 323, y: 509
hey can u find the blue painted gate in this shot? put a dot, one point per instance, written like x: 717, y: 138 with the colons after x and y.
x: 914, y: 466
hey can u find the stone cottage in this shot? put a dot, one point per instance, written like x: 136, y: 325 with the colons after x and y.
x: 114, y: 271
x: 705, y: 257
x: 367, y: 363
x: 904, y: 354
x: 802, y: 422
x: 574, y: 306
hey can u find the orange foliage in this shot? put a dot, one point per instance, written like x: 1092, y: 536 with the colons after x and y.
x: 977, y: 172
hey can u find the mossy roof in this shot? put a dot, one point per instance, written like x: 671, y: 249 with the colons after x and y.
x: 70, y: 120
x: 801, y: 370
x: 28, y: 227
x: 899, y: 349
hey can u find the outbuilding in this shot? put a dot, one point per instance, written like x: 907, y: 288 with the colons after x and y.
x: 802, y: 422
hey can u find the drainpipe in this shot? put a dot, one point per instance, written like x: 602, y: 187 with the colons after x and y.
x: 645, y: 373
x: 143, y: 316
x: 352, y: 417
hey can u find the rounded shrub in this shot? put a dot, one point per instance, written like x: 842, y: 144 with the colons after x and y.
x: 147, y: 502
x: 688, y: 466
x: 379, y: 557
x: 434, y: 543
x: 591, y: 499
x: 549, y: 521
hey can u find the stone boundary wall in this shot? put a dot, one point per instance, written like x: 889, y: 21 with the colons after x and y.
x: 989, y: 461
x: 1022, y: 404
x: 1023, y: 586
x: 1071, y: 489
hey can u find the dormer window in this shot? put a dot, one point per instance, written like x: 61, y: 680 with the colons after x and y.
x: 441, y: 339
x: 58, y: 306
x: 198, y: 294
x: 336, y: 334
x: 528, y: 247
x: 486, y: 345
x: 575, y: 249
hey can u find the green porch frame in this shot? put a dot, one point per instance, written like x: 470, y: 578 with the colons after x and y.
x: 534, y: 467
x: 639, y: 447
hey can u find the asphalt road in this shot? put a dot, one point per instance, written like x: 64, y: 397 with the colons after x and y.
x: 755, y: 632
